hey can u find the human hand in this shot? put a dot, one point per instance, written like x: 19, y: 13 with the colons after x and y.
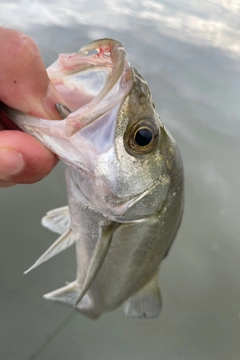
x: 25, y: 86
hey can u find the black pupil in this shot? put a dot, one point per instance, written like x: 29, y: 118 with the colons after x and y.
x: 143, y: 137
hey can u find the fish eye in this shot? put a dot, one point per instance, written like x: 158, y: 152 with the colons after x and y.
x: 142, y: 137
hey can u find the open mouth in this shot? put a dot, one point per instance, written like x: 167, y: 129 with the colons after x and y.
x: 91, y: 82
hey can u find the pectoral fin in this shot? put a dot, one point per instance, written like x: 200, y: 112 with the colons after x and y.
x: 97, y: 259
x: 62, y: 243
x: 57, y: 220
x: 146, y: 303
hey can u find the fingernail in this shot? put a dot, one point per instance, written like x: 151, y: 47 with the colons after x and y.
x: 51, y: 98
x: 11, y: 163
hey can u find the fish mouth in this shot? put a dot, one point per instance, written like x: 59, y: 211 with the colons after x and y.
x: 93, y: 83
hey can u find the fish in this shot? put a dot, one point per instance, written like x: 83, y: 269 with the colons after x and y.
x: 124, y: 179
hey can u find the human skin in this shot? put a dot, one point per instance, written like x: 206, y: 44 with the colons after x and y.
x: 25, y: 86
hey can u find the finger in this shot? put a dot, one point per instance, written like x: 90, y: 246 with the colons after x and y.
x: 24, y: 83
x: 23, y: 159
x: 4, y: 184
x: 6, y: 123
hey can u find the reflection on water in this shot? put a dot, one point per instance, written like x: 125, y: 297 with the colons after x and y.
x: 189, y: 54
x: 214, y: 24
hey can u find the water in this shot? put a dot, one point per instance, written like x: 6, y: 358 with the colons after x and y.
x: 189, y: 54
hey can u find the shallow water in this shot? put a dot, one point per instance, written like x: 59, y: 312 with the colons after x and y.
x: 189, y: 54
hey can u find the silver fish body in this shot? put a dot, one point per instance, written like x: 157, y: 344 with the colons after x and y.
x: 124, y: 180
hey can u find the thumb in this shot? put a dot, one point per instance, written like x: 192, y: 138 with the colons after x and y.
x: 24, y: 83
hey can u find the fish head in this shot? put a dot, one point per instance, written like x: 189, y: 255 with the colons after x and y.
x: 137, y: 168
x: 112, y: 139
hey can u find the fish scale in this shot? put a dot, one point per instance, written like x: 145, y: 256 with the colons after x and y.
x: 125, y: 195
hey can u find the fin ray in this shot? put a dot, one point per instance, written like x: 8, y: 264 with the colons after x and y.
x: 146, y: 303
x: 67, y: 294
x: 97, y: 259
x: 61, y: 244
x: 57, y: 220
